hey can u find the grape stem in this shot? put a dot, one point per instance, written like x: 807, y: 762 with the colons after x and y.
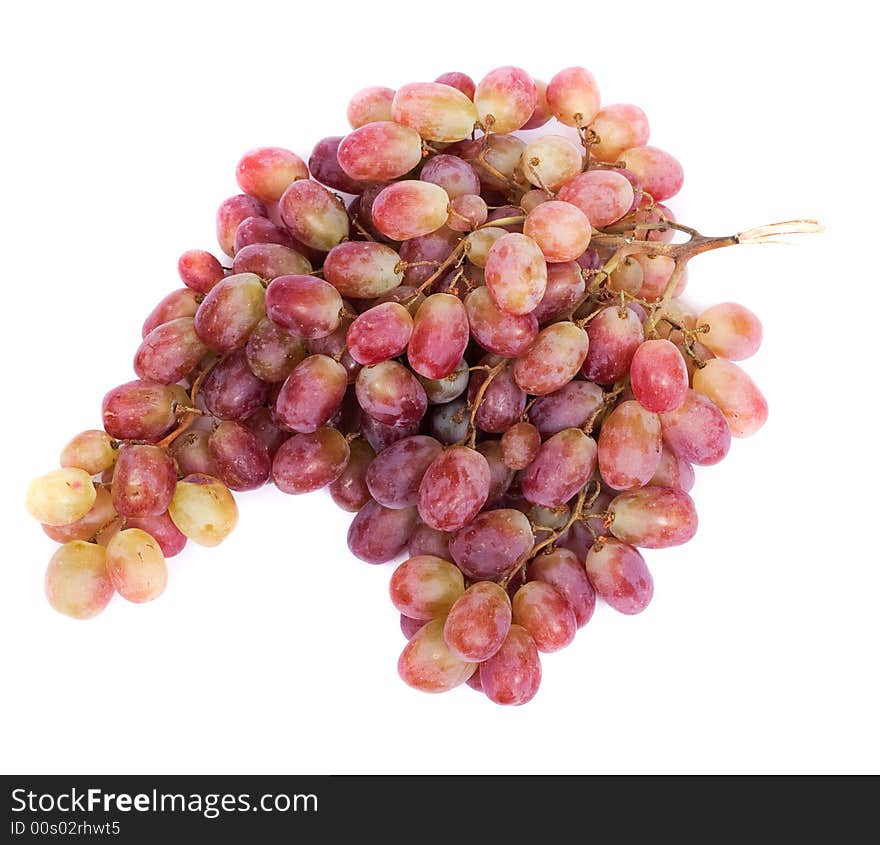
x: 189, y: 412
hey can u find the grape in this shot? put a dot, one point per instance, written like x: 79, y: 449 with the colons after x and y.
x: 564, y: 464
x: 560, y: 229
x: 542, y: 112
x: 169, y: 352
x: 629, y: 446
x: 272, y: 352
x: 409, y: 209
x: 259, y: 230
x: 561, y: 569
x: 505, y: 99
x: 565, y: 287
x: 442, y: 390
x: 653, y: 517
x: 179, y: 303
x: 501, y: 475
x: 545, y: 614
x: 377, y: 534
x: 496, y: 330
x: 230, y: 312
x: 304, y: 305
x: 380, y: 151
x: 369, y: 105
x: 231, y: 391
x: 349, y: 490
x: 231, y: 213
x: 513, y: 674
x: 453, y: 174
x: 313, y: 215
x: 673, y: 471
x: 86, y: 527
x: 466, y: 213
x: 478, y: 622
x: 268, y: 261
x: 489, y: 547
x: 162, y: 529
x: 659, y: 173
x: 77, y: 583
x: 550, y: 161
x: 199, y: 270
x: 136, y: 565
x: 203, y: 509
x: 655, y: 213
x: 326, y: 169
x: 533, y: 198
x: 553, y: 359
x: 619, y: 575
x: 735, y: 394
x: 380, y: 435
x: 516, y: 273
x: 436, y: 111
x: 144, y: 480
x: 92, y: 450
x: 501, y: 153
x: 520, y: 445
x: 363, y: 269
x: 427, y: 664
x: 390, y: 393
x: 429, y: 541
x: 410, y: 627
x: 619, y: 127
x: 191, y: 453
x: 406, y: 295
x: 439, y: 336
x: 454, y: 488
x: 61, y: 497
x: 425, y: 587
x: 502, y: 213
x: 615, y: 335
x: 604, y: 196
x: 380, y: 333
x: 266, y: 172
x: 310, y: 461
x: 503, y: 401
x: 481, y: 241
x: 734, y: 332
x: 264, y: 427
x: 458, y: 80
x: 569, y: 407
x: 628, y: 277
x: 242, y: 461
x: 393, y: 478
x: 656, y: 270
x: 697, y: 430
x: 573, y: 96
x: 311, y: 394
x: 659, y: 376
x: 334, y: 346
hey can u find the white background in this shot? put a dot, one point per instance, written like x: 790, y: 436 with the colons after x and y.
x: 276, y: 652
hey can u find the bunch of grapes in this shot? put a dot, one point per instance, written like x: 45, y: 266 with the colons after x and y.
x: 473, y: 339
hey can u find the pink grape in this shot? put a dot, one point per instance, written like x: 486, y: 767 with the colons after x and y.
x: 466, y: 213
x: 410, y: 627
x: 311, y: 394
x: 697, y: 430
x: 620, y: 127
x: 564, y: 464
x: 369, y: 105
x: 561, y: 569
x: 390, y: 393
x: 77, y: 583
x: 655, y: 213
x: 144, y: 480
x: 349, y: 491
x: 394, y: 476
x: 453, y: 174
x: 458, y: 80
x: 139, y: 410
x: 304, y: 305
x: 313, y: 215
x: 653, y: 517
x: 734, y: 332
x: 266, y: 172
x: 573, y: 96
x: 500, y: 475
x: 377, y: 534
x: 136, y: 565
x: 310, y: 461
x: 656, y: 270
x: 478, y: 622
x: 380, y: 333
x: 659, y: 173
x: 262, y: 424
x: 425, y: 587
x: 268, y: 261
x: 454, y: 488
x: 259, y: 230
x: 272, y: 352
x: 560, y: 229
x: 380, y: 151
x: 490, y: 546
x: 736, y: 395
x: 427, y: 664
x: 628, y: 276
x: 553, y: 360
x: 363, y: 269
x: 179, y: 303
x: 242, y: 461
x: 499, y: 154
x: 505, y: 99
x: 230, y: 213
x: 231, y: 391
x: 659, y: 376
x: 92, y: 450
x: 199, y: 270
x: 442, y: 390
x: 325, y: 168
x: 551, y: 161
x: 542, y: 112
x: 429, y: 541
x: 436, y: 111
x: 162, y: 529
x: 569, y: 407
x: 673, y: 471
x: 169, y: 352
x: 513, y: 674
x: 516, y: 273
x: 533, y: 198
x: 439, y: 336
x: 480, y: 242
x: 542, y: 610
x: 410, y: 208
x: 230, y: 312
x: 604, y: 196
x: 619, y: 575
x: 86, y: 527
x: 503, y: 401
x: 381, y: 435
x: 615, y: 335
x: 520, y: 445
x: 629, y: 446
x: 496, y: 330
x: 565, y: 287
x: 203, y: 509
x: 192, y: 455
